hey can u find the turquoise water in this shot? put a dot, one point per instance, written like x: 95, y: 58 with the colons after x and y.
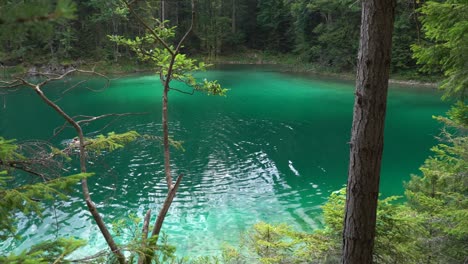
x: 272, y: 150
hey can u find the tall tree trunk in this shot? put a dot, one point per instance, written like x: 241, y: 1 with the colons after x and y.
x: 368, y: 130
x: 177, y: 14
x: 163, y: 10
x: 233, y: 19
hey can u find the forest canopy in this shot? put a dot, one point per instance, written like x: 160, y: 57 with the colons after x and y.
x: 322, y: 33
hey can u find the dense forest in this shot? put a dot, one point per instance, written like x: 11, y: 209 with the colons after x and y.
x: 427, y: 40
x: 324, y: 33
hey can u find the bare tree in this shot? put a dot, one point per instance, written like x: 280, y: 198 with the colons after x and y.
x: 37, y: 87
x: 368, y: 130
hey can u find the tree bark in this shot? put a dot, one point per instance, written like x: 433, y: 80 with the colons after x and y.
x: 366, y: 145
x: 167, y: 153
x: 163, y: 10
x: 233, y: 19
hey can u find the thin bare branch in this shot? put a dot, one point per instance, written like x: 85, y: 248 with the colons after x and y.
x: 47, y: 80
x: 184, y: 92
x: 11, y: 84
x: 22, y: 81
x: 59, y: 130
x: 45, y: 74
x: 84, y: 183
x: 166, y: 46
x: 94, y: 118
x: 189, y: 30
x: 74, y: 86
x: 15, y: 165
x: 93, y: 72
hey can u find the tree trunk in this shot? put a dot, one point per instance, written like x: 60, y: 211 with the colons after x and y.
x: 163, y: 10
x: 177, y: 14
x: 233, y: 19
x: 368, y: 130
x: 167, y: 154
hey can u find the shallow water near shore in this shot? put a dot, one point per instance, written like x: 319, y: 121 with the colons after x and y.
x: 272, y: 150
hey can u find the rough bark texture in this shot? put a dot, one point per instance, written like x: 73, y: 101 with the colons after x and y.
x: 368, y: 130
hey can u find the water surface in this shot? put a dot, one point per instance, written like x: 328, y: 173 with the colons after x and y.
x: 272, y: 150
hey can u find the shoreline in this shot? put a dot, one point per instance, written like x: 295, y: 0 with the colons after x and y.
x: 125, y: 68
x: 288, y: 68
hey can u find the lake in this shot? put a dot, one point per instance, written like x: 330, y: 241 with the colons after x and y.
x: 272, y: 150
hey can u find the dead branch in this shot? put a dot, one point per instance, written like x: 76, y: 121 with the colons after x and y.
x: 74, y: 86
x: 16, y: 165
x: 10, y: 84
x: 37, y: 87
x: 49, y: 79
x: 166, y: 46
x: 94, y: 118
x: 180, y: 91
x: 84, y: 183
x: 37, y: 161
x: 87, y: 119
x: 189, y: 30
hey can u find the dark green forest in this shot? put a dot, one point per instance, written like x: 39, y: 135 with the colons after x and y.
x: 322, y: 33
x: 174, y: 39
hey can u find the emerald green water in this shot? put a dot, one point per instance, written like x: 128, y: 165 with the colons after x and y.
x: 272, y: 150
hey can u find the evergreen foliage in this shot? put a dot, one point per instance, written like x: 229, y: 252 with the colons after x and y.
x: 334, y: 26
x: 397, y: 228
x: 35, y: 28
x: 445, y: 25
x: 17, y: 197
x: 110, y: 142
x: 46, y: 252
x: 440, y: 196
x: 8, y: 150
x: 29, y: 198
